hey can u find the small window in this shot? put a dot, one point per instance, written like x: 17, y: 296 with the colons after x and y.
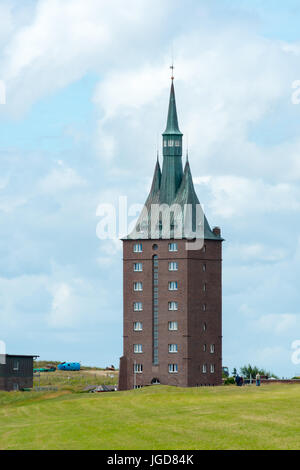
x: 138, y: 326
x: 173, y: 247
x: 204, y: 307
x: 155, y: 246
x: 170, y: 143
x: 173, y: 305
x: 173, y: 348
x: 173, y: 266
x: 137, y: 286
x: 138, y: 348
x: 173, y: 368
x: 204, y: 326
x: 138, y: 267
x: 212, y: 368
x: 177, y: 143
x: 173, y: 326
x: 204, y: 267
x: 137, y: 306
x: 204, y: 368
x: 138, y: 248
x: 173, y: 285
x: 16, y: 365
x: 138, y: 368
x: 165, y: 143
x: 204, y: 347
x: 212, y: 348
x: 204, y: 287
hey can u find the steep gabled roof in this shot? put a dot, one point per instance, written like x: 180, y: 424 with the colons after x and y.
x: 153, y: 197
x: 185, y: 196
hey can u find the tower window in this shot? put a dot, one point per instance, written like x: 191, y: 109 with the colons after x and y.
x: 170, y: 143
x: 138, y: 348
x: 173, y: 368
x: 138, y: 267
x: 137, y: 286
x: 173, y: 326
x: 138, y: 248
x: 138, y: 368
x: 137, y: 306
x: 173, y: 266
x: 138, y: 326
x: 173, y: 306
x: 173, y: 285
x: 177, y: 143
x: 173, y: 247
x: 173, y: 348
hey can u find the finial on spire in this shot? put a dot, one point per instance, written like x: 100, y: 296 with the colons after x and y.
x: 172, y: 68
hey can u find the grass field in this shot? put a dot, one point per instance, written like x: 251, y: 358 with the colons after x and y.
x: 153, y: 418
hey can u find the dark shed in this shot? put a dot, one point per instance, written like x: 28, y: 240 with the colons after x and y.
x: 16, y: 372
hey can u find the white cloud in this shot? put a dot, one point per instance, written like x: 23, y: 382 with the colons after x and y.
x: 278, y: 324
x: 65, y: 39
x: 236, y: 196
x: 62, y: 313
x: 60, y: 180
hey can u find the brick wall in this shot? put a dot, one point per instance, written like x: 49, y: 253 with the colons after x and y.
x: 190, y: 316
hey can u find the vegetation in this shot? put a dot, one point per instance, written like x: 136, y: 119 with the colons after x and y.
x: 157, y: 417
x: 247, y: 371
x: 75, y: 381
x: 229, y: 381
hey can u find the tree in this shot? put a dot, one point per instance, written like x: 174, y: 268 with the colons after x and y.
x: 247, y: 371
x: 234, y: 372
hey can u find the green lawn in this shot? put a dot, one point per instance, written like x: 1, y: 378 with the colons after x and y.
x: 153, y: 418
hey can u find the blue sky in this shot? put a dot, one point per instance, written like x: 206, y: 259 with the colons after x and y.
x: 87, y: 85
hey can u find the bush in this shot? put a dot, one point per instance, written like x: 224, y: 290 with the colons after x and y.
x: 229, y: 381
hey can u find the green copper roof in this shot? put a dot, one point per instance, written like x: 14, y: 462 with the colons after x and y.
x: 173, y: 187
x: 153, y: 197
x: 187, y: 195
x: 172, y: 122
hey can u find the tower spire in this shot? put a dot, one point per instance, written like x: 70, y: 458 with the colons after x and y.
x: 172, y: 152
x: 172, y: 121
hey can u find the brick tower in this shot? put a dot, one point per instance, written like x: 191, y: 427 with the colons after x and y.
x: 172, y: 295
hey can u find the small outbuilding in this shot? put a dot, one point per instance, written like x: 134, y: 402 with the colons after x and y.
x: 16, y: 372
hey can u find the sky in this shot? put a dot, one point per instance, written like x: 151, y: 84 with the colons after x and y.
x: 87, y: 86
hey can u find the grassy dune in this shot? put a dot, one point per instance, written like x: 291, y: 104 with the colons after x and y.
x: 155, y: 418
